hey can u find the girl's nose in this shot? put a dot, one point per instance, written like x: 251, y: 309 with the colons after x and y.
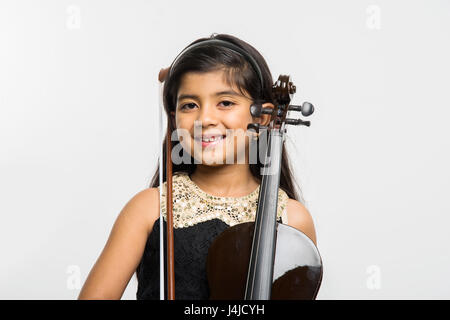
x: 208, y: 115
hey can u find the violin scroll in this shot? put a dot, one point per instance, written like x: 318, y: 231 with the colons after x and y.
x: 283, y: 91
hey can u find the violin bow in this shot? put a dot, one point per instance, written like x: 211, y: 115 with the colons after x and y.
x: 169, y: 213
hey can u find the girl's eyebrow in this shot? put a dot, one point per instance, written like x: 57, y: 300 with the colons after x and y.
x: 193, y: 96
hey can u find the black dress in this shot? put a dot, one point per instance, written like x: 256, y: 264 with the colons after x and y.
x: 198, y: 219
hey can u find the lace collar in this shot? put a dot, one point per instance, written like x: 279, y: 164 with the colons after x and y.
x: 253, y: 196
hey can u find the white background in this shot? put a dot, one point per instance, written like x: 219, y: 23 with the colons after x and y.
x: 78, y: 131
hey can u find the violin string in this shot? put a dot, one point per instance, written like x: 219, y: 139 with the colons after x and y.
x: 257, y: 223
x: 161, y: 226
x: 263, y: 207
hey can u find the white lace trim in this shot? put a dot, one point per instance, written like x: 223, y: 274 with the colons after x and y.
x: 191, y: 205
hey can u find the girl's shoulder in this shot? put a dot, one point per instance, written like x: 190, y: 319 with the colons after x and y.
x: 300, y: 218
x: 146, y: 203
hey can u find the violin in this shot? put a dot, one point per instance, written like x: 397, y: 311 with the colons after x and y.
x: 265, y: 259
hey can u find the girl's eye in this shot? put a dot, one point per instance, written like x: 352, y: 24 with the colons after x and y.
x: 229, y: 103
x: 187, y: 104
x: 225, y: 102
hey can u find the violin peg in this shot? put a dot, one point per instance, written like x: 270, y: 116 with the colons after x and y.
x: 306, y: 108
x: 256, y: 110
x: 267, y: 110
x: 297, y: 122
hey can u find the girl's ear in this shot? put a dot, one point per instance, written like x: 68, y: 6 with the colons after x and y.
x: 265, y: 118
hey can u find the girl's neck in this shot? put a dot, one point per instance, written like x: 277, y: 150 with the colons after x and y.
x: 225, y: 181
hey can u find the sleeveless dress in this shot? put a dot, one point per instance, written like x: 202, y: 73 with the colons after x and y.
x: 198, y: 218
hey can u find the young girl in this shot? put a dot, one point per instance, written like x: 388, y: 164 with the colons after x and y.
x: 209, y: 89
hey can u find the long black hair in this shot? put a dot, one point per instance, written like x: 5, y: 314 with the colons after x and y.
x: 239, y: 72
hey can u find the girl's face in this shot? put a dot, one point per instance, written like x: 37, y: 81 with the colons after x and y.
x: 208, y: 106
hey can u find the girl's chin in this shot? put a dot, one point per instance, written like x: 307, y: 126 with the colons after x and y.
x: 213, y: 164
x: 217, y: 155
x: 211, y: 161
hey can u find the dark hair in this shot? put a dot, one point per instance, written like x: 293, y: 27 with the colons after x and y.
x: 238, y: 72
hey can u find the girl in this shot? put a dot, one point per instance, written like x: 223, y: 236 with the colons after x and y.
x: 209, y: 89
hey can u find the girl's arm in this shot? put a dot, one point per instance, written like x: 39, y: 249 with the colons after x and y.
x: 124, y: 249
x: 300, y: 218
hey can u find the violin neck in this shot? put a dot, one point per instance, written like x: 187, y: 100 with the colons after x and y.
x: 260, y: 272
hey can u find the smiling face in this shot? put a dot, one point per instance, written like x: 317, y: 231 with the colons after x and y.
x: 207, y: 105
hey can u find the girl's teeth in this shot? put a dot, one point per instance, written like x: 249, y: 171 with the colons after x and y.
x: 212, y: 139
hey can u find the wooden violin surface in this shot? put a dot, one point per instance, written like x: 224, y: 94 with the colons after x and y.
x: 297, y: 265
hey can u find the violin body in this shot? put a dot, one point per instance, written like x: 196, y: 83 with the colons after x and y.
x: 297, y: 270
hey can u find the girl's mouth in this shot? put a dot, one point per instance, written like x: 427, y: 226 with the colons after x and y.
x: 212, y: 141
